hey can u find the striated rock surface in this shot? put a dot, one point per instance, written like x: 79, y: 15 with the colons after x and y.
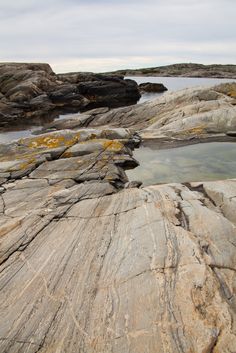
x: 193, y: 113
x: 30, y: 91
x: 149, y: 269
x: 93, y: 263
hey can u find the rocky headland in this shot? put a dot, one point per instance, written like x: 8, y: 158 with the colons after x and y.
x: 33, y: 91
x: 184, y: 70
x: 91, y: 262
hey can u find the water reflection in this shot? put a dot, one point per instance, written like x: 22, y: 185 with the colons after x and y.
x: 205, y: 161
x: 172, y: 83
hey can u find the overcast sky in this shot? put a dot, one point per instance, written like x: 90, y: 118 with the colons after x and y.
x: 101, y: 35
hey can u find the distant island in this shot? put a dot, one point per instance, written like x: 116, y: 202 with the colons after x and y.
x: 184, y: 70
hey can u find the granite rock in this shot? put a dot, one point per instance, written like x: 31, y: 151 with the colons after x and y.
x: 87, y: 269
x: 193, y: 113
x: 90, y: 262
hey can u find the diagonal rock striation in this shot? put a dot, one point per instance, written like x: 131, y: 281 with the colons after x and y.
x: 91, y: 263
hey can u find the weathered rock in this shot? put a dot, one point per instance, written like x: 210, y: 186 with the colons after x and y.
x: 67, y: 95
x: 187, y: 114
x: 79, y: 155
x: 103, y: 90
x: 152, y: 87
x: 32, y: 90
x: 90, y: 262
x: 141, y: 270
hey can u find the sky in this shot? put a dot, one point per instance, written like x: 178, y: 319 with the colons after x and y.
x: 105, y: 35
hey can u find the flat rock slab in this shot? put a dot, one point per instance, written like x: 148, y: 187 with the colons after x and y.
x: 94, y: 154
x: 141, y: 270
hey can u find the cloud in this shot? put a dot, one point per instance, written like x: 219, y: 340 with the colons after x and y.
x: 101, y: 35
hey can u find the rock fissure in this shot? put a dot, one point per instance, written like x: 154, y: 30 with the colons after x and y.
x: 18, y: 341
x: 23, y: 247
x: 91, y: 264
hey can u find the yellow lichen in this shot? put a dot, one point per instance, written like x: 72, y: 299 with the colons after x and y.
x: 67, y: 154
x: 197, y: 130
x: 232, y: 94
x: 26, y: 164
x: 152, y: 120
x: 112, y: 145
x: 51, y: 141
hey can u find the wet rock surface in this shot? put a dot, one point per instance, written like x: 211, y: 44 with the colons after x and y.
x: 29, y: 91
x: 90, y: 262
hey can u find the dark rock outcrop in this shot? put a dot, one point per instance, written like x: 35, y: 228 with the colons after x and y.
x: 28, y: 91
x: 152, y: 87
x: 106, y: 90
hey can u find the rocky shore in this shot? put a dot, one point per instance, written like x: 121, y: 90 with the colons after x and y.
x: 32, y: 91
x: 184, y: 70
x: 90, y: 262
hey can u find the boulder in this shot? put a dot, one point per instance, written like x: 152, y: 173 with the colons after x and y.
x: 152, y: 87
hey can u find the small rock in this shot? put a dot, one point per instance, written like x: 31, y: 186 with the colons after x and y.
x: 152, y: 87
x: 133, y: 184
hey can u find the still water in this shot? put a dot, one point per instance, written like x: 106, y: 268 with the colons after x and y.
x: 176, y: 83
x: 172, y: 83
x: 205, y: 161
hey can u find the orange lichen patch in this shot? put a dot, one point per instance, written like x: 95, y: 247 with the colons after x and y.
x: 51, y: 141
x: 113, y: 145
x: 227, y: 88
x: 67, y: 154
x: 232, y: 94
x: 101, y: 163
x: 106, y: 145
x: 22, y: 156
x: 109, y: 178
x: 197, y: 130
x: 27, y: 164
x: 31, y: 156
x: 21, y: 166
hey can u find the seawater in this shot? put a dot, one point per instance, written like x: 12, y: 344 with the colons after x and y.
x: 204, y: 161
x: 172, y: 83
x: 176, y: 83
